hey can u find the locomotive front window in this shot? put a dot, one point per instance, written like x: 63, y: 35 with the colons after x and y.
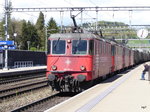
x: 58, y: 46
x: 79, y: 46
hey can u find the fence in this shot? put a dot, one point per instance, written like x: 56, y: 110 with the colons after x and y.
x: 19, y: 64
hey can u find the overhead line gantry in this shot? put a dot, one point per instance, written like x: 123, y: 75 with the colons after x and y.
x: 58, y: 9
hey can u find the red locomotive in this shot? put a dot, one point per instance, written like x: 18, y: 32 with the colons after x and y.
x: 77, y: 59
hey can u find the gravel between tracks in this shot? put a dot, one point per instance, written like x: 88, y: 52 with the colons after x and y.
x: 47, y: 104
x: 10, y: 104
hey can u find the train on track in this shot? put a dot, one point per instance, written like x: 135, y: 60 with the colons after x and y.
x: 77, y: 59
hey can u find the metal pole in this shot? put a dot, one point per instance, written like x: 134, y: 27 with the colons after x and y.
x: 81, y: 19
x: 96, y: 18
x: 28, y: 42
x: 61, y: 18
x: 45, y: 39
x: 45, y: 36
x: 6, y: 34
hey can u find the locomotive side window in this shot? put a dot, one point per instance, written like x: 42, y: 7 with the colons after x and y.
x: 79, y: 46
x: 91, y: 47
x: 48, y: 47
x: 58, y: 46
x: 113, y: 50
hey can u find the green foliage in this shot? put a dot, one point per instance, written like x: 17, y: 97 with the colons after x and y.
x: 2, y: 30
x: 138, y: 42
x: 33, y: 49
x: 41, y: 30
x: 24, y: 37
x: 52, y: 26
x: 116, y: 30
x: 29, y: 36
x: 108, y: 23
x: 33, y: 35
x: 15, y: 27
x: 40, y: 22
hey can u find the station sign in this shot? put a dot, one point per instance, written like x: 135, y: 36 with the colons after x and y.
x: 6, y: 42
x: 11, y: 47
x: 7, y: 47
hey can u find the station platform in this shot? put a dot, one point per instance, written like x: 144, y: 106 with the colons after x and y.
x: 22, y: 70
x: 125, y: 94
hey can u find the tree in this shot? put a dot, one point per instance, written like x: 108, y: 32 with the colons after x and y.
x: 33, y: 36
x: 52, y: 26
x: 2, y: 30
x: 29, y: 38
x: 16, y: 27
x: 41, y: 30
x: 24, y: 37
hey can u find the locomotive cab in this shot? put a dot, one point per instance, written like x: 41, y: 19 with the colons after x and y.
x: 69, y: 60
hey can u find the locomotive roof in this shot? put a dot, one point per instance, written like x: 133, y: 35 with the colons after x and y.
x: 73, y: 35
x: 80, y: 35
x: 77, y: 35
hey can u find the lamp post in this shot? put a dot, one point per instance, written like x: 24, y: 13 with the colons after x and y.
x: 28, y: 42
x: 45, y: 40
x: 15, y: 35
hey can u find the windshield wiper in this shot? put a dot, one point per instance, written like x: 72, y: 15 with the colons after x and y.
x: 56, y: 43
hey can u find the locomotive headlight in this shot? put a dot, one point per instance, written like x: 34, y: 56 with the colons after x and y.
x: 54, y: 67
x: 82, y: 68
x: 69, y: 41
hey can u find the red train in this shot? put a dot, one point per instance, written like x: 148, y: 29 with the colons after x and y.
x: 77, y: 59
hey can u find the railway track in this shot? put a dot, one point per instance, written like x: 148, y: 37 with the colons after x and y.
x: 19, y: 78
x: 7, y: 93
x: 45, y: 103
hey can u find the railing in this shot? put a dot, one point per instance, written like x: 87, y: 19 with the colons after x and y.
x: 19, y: 64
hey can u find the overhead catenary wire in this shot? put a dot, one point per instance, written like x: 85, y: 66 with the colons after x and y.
x: 92, y: 2
x: 41, y: 2
x: 69, y: 3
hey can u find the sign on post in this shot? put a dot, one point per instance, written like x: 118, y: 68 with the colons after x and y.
x: 7, y: 45
x: 6, y: 42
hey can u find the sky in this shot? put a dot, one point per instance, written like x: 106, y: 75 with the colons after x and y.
x: 134, y: 17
